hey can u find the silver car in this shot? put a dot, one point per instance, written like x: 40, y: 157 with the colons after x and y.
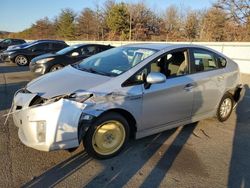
x: 131, y: 91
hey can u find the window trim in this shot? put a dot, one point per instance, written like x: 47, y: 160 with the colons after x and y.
x: 125, y: 84
x: 192, y: 59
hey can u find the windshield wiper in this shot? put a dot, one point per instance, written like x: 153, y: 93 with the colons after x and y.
x: 100, y: 72
x: 91, y: 70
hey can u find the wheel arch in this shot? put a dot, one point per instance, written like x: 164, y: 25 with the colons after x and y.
x: 236, y: 93
x: 128, y: 116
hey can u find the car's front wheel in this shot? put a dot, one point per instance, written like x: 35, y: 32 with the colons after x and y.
x: 21, y: 60
x: 55, y: 68
x: 225, y: 107
x: 107, y: 136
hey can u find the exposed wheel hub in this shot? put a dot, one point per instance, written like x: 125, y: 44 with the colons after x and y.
x: 226, y: 107
x: 108, y: 137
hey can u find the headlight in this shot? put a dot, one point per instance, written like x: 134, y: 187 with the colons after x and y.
x: 9, y: 53
x: 45, y: 60
x: 41, y: 131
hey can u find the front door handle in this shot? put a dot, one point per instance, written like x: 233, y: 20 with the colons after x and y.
x: 189, y: 87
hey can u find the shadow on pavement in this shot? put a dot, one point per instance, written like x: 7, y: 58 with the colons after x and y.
x: 7, y: 92
x: 239, y: 174
x: 164, y: 164
x: 56, y: 174
x: 10, y: 69
x: 123, y: 173
x: 113, y: 167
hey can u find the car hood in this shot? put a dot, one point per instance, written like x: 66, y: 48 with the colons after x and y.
x: 65, y: 81
x: 18, y: 46
x: 48, y: 55
x: 15, y: 50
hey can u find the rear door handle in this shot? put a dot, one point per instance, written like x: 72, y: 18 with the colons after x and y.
x: 189, y: 87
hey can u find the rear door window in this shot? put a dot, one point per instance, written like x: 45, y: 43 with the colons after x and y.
x: 204, y: 60
x: 57, y: 46
x: 18, y: 42
x: 89, y: 50
x: 40, y: 47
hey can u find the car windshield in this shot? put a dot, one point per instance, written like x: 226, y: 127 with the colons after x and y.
x: 115, y: 61
x: 66, y: 50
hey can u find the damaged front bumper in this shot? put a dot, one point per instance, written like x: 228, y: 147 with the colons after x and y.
x: 49, y: 126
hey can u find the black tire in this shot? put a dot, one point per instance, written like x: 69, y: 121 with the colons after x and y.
x: 55, y: 68
x: 21, y: 60
x: 88, y: 140
x: 229, y: 98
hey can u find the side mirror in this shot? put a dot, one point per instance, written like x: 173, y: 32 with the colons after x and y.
x: 155, y: 78
x: 74, y: 54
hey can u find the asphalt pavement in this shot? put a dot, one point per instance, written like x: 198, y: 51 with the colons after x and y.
x: 206, y: 154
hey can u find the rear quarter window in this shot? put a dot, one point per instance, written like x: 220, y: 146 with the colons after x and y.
x: 222, y: 62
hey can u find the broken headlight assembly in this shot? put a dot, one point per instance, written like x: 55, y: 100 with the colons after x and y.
x: 80, y: 96
x: 76, y: 96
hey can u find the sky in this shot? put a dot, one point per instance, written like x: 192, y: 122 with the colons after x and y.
x: 17, y: 15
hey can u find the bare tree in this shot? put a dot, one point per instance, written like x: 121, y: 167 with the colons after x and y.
x: 213, y: 24
x: 87, y: 24
x: 191, y: 27
x: 143, y: 22
x: 172, y: 23
x: 237, y: 9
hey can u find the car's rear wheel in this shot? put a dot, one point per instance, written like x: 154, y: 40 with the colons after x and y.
x: 21, y: 60
x: 55, y: 68
x: 107, y: 136
x: 225, y: 107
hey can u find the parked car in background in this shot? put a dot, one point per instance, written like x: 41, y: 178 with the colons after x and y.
x: 133, y: 90
x: 18, y: 46
x: 22, y: 56
x: 4, y: 44
x: 29, y: 43
x: 53, y: 61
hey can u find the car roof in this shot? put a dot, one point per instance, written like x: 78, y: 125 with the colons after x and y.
x: 52, y: 41
x: 169, y: 46
x: 13, y: 39
x: 44, y: 41
x: 161, y: 46
x: 154, y: 46
x: 86, y: 44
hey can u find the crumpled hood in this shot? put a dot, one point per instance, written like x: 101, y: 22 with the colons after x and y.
x: 65, y: 81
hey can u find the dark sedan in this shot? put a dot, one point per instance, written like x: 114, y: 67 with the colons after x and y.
x: 72, y: 54
x: 4, y: 44
x: 22, y: 56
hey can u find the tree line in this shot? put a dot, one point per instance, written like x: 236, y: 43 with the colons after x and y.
x: 225, y: 20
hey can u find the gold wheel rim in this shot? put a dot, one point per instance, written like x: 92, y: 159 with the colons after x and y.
x: 108, y: 137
